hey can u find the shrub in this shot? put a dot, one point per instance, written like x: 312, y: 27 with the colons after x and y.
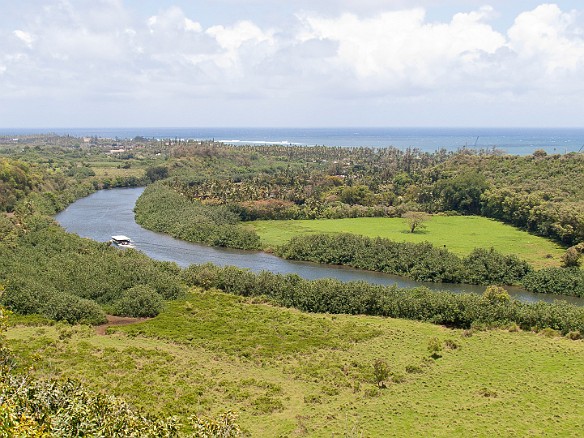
x: 571, y: 258
x: 413, y: 369
x: 380, y: 372
x: 549, y: 332
x: 225, y: 426
x: 513, y: 327
x: 420, y: 261
x: 139, y: 301
x: 574, y: 336
x: 67, y: 409
x: 487, y: 266
x: 333, y: 296
x: 496, y: 294
x: 435, y: 347
x: 451, y: 344
x: 74, y: 310
x: 567, y: 281
x: 30, y: 297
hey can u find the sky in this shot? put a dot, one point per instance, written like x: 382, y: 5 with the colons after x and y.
x: 284, y: 63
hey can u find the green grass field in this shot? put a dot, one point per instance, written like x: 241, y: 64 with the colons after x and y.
x: 460, y: 234
x: 292, y: 374
x: 113, y: 171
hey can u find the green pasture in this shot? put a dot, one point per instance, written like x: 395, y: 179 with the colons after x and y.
x: 113, y: 171
x: 459, y: 234
x: 288, y: 373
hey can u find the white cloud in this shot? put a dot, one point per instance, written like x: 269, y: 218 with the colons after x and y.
x: 548, y: 37
x: 242, y: 44
x: 400, y: 49
x: 232, y: 38
x: 173, y: 21
x: 389, y: 52
x: 25, y: 37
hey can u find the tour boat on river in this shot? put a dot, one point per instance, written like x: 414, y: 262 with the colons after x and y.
x: 122, y: 242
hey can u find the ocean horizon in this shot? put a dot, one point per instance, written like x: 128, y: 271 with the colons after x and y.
x: 517, y: 141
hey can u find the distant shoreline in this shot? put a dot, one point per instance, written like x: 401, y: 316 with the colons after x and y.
x: 517, y: 141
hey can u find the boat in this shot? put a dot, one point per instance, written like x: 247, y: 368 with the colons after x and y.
x: 122, y: 241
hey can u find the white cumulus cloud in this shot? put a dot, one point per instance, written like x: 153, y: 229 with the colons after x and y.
x: 386, y: 52
x: 549, y: 37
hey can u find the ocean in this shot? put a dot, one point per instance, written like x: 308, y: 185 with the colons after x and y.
x: 516, y: 141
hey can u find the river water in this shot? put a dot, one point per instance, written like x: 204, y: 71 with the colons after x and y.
x: 110, y: 212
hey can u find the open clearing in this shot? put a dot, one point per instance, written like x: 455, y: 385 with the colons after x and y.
x: 460, y: 234
x: 288, y: 373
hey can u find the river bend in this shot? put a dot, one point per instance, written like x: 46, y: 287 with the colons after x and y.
x: 110, y: 212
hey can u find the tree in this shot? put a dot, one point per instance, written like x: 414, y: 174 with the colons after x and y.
x: 416, y: 220
x: 356, y: 195
x: 156, y: 173
x: 462, y: 192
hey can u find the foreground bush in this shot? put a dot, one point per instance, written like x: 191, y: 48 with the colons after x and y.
x: 66, y: 409
x: 37, y: 408
x: 333, y: 296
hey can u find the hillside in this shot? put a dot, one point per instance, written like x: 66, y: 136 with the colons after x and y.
x: 293, y: 374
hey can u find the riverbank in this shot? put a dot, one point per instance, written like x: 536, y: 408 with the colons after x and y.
x: 109, y: 212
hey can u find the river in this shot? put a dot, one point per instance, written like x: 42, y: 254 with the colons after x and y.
x: 110, y: 212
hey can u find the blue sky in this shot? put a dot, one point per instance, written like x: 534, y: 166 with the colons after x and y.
x: 116, y: 63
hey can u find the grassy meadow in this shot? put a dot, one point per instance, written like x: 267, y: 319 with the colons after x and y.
x: 288, y: 373
x: 460, y: 234
x: 113, y: 169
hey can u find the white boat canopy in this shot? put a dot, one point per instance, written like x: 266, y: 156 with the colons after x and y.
x: 120, y: 238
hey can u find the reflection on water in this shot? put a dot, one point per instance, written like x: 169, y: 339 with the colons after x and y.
x: 110, y: 212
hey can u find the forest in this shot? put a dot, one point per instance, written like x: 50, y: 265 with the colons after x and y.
x: 208, y: 192
x: 540, y: 194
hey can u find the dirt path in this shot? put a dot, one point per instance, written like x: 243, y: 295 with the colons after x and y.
x: 116, y: 320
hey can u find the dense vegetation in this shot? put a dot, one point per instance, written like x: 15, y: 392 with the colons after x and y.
x: 333, y: 296
x: 37, y: 408
x: 340, y: 183
x: 556, y: 281
x: 420, y: 261
x: 184, y: 360
x: 64, y: 277
x: 163, y: 209
x: 543, y: 194
x: 540, y: 193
